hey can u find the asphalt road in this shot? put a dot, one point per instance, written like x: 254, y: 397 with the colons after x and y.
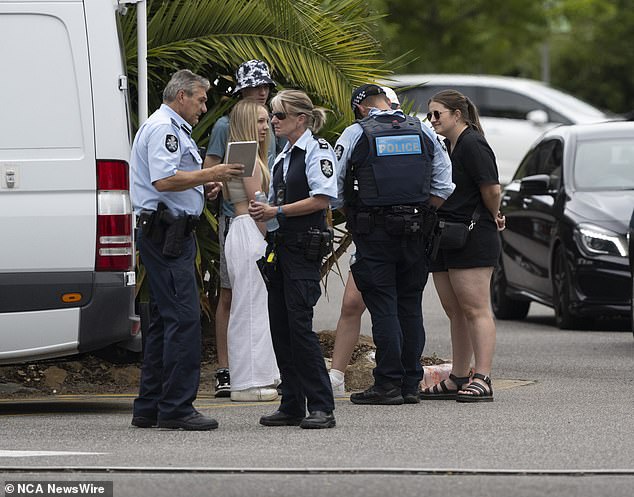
x: 561, y: 425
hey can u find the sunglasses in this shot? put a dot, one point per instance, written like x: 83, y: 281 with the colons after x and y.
x: 436, y: 114
x: 283, y: 115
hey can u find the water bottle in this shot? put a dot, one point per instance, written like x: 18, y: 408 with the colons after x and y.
x: 271, y: 224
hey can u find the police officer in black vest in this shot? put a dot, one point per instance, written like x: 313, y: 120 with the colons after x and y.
x: 397, y: 173
x: 302, y: 185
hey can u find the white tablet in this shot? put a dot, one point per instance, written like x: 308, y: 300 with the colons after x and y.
x: 243, y: 153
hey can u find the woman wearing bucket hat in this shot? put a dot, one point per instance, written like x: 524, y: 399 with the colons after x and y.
x: 254, y: 82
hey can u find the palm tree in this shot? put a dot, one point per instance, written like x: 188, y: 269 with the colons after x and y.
x: 324, y: 47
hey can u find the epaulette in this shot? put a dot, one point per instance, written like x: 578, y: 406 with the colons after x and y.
x: 322, y: 142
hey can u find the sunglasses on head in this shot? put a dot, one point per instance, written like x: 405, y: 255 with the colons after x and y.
x: 436, y: 114
x: 283, y: 115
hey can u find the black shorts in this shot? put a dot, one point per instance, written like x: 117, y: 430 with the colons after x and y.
x: 482, y: 250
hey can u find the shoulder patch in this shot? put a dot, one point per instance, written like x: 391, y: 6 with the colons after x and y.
x: 171, y: 143
x: 326, y: 167
x: 339, y: 151
x: 322, y: 143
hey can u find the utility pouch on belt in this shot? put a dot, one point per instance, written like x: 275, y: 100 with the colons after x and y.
x: 410, y: 221
x: 363, y: 223
x: 150, y: 223
x: 174, y: 237
x: 267, y: 264
x: 317, y: 244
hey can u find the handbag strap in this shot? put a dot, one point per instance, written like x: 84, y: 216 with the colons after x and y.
x: 474, y: 217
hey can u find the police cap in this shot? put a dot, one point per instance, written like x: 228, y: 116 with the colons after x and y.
x: 364, y: 91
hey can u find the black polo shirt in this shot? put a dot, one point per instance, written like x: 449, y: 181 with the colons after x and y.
x: 473, y: 164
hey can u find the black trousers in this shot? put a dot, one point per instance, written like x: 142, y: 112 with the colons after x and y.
x: 391, y: 274
x: 293, y: 292
x: 170, y: 374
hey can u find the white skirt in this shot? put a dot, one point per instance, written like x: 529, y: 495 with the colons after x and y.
x: 251, y: 356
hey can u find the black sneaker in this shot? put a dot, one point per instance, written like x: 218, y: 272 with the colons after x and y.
x: 411, y: 398
x: 193, y: 422
x: 378, y: 395
x: 223, y: 383
x: 279, y: 418
x: 143, y: 422
x: 318, y: 419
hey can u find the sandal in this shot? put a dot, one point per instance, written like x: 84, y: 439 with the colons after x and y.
x: 477, y: 391
x: 443, y: 393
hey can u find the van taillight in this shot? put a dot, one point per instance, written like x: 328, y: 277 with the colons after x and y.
x: 114, y: 217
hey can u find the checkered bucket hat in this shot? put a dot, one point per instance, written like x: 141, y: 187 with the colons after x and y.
x: 251, y: 74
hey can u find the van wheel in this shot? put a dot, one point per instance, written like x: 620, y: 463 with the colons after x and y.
x: 503, y: 306
x: 561, y: 292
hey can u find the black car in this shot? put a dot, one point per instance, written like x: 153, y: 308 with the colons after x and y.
x: 568, y: 212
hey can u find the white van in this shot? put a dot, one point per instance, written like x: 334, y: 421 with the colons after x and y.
x: 514, y: 112
x: 66, y: 227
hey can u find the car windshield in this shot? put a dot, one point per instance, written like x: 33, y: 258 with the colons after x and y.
x: 604, y: 165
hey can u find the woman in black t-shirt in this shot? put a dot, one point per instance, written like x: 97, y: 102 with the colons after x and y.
x: 462, y: 276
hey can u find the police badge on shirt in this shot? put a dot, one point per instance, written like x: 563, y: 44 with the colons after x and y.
x: 339, y: 151
x: 171, y: 143
x: 326, y: 167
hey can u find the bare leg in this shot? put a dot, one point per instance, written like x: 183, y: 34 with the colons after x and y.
x: 348, y: 326
x: 460, y: 343
x: 471, y: 287
x: 222, y: 322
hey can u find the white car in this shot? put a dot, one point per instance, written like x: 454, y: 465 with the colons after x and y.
x: 514, y: 112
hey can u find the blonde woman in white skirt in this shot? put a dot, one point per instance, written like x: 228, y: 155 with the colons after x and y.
x: 254, y: 372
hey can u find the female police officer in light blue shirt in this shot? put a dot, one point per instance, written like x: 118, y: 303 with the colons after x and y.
x: 303, y: 182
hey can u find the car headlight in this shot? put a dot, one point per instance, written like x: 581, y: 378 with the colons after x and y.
x: 595, y: 240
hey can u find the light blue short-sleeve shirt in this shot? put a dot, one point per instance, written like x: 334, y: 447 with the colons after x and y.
x: 320, y: 165
x: 162, y: 146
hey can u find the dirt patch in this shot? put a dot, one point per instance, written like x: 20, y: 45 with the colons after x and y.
x: 90, y: 375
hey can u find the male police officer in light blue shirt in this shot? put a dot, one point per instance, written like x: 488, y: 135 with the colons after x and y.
x: 168, y: 196
x: 392, y: 175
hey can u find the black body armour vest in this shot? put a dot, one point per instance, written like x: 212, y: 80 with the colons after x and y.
x: 295, y: 188
x: 390, y: 165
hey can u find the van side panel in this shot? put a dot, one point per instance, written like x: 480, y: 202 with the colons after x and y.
x: 48, y: 218
x: 62, y: 112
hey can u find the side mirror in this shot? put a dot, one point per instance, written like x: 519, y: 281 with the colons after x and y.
x: 538, y: 184
x: 538, y: 117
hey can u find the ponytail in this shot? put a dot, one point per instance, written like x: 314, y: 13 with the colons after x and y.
x: 473, y: 120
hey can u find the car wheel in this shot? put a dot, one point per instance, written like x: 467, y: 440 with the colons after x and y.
x: 561, y: 292
x: 503, y: 306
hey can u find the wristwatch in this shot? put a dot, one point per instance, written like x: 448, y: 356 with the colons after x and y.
x: 280, y: 212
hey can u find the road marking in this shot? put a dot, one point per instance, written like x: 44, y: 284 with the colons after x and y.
x: 45, y: 453
x: 336, y: 471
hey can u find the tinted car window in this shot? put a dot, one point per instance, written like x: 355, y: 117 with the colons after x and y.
x: 605, y: 164
x: 495, y: 102
x: 528, y: 166
x: 550, y: 160
x: 545, y: 158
